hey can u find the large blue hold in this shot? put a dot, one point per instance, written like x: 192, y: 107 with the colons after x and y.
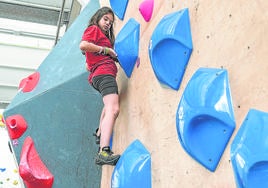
x: 127, y: 45
x: 119, y: 7
x: 133, y: 168
x: 249, y: 153
x: 63, y: 111
x: 170, y: 48
x: 205, y: 118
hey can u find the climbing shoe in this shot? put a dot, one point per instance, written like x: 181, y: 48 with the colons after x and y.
x: 106, y: 157
x: 96, y: 136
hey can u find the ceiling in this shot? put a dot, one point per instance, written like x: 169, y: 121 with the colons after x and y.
x: 39, y: 11
x: 47, y: 3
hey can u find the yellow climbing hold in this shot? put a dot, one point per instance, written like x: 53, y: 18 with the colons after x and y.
x: 1, y: 123
x: 15, y: 182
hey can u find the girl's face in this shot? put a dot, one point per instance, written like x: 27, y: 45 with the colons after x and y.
x: 106, y: 22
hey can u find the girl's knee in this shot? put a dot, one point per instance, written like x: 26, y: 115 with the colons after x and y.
x: 112, y: 110
x: 116, y: 111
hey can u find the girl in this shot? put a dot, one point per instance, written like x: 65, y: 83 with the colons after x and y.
x: 97, y: 45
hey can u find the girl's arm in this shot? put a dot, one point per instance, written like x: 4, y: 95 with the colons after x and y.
x: 90, y: 47
x: 86, y: 46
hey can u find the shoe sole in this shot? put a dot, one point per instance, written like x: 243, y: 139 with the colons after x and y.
x: 110, y: 162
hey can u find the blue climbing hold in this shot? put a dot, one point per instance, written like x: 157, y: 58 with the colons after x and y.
x: 205, y: 118
x: 170, y: 48
x: 119, y: 7
x: 2, y: 169
x: 127, y: 45
x: 249, y: 154
x: 133, y: 168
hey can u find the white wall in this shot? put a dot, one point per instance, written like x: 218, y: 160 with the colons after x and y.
x: 17, y: 63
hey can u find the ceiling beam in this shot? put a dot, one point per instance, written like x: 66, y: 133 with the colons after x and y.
x: 29, y: 13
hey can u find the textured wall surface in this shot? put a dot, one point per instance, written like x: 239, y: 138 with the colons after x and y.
x: 230, y: 35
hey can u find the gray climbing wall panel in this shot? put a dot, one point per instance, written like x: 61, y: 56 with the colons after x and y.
x: 62, y: 112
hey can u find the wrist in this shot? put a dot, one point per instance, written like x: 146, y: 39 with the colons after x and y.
x: 101, y: 50
x: 106, y: 50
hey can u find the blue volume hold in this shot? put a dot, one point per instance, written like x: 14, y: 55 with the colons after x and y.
x: 205, y: 118
x: 249, y: 154
x: 170, y: 48
x: 119, y: 7
x: 127, y: 45
x: 133, y: 168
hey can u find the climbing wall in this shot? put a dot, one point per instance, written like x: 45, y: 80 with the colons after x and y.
x: 225, y: 40
x: 53, y: 116
x: 225, y: 35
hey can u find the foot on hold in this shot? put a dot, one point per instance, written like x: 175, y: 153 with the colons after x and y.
x: 96, y: 136
x: 106, y: 157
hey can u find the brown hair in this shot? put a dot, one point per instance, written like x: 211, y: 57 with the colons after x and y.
x: 96, y: 18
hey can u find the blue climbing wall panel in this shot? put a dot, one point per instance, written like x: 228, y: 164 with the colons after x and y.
x: 249, y: 154
x: 205, y: 118
x: 62, y: 111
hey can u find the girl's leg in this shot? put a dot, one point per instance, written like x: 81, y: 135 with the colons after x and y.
x: 108, y: 118
x: 107, y: 86
x: 101, y: 118
x: 98, y: 130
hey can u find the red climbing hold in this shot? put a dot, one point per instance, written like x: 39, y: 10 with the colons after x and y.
x: 32, y: 170
x: 16, y: 126
x: 29, y: 83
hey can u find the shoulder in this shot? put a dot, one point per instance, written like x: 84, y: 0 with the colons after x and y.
x: 92, y: 28
x: 91, y: 33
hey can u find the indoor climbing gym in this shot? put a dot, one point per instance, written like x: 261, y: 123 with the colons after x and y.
x: 133, y: 94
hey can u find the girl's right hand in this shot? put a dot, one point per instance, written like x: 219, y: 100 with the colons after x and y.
x: 112, y: 53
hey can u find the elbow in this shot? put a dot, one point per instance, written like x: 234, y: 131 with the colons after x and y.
x: 82, y: 46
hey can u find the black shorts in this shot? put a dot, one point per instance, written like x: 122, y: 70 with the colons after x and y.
x: 105, y: 84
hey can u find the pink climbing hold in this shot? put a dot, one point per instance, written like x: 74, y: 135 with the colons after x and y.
x: 16, y: 126
x: 32, y: 170
x: 146, y: 9
x: 28, y: 84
